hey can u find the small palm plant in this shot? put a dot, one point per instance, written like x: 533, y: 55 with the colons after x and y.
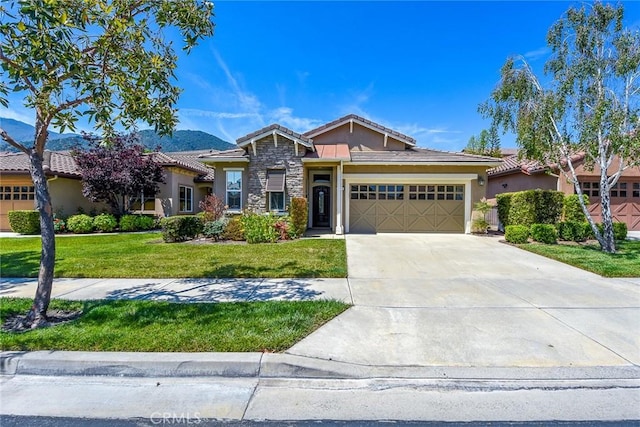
x: 480, y: 224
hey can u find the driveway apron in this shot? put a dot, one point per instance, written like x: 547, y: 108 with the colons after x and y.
x: 473, y: 301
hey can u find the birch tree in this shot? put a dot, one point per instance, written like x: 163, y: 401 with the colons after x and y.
x: 107, y: 60
x: 589, y: 110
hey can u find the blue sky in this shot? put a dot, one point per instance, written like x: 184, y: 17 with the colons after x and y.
x: 419, y: 67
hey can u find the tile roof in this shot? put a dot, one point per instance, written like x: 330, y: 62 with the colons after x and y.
x: 274, y: 127
x: 346, y: 119
x: 225, y: 154
x: 512, y: 164
x: 419, y: 155
x: 62, y: 163
x: 54, y: 162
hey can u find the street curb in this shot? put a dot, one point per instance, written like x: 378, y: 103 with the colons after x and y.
x: 272, y: 365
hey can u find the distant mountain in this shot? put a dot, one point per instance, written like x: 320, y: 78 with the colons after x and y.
x: 181, y: 140
x: 23, y: 132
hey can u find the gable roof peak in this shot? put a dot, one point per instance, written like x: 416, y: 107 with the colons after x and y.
x: 354, y: 118
x: 265, y: 131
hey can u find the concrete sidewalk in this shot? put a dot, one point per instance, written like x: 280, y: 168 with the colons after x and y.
x: 184, y: 290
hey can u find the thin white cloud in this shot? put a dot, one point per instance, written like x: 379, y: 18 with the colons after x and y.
x: 194, y: 112
x: 247, y: 101
x: 10, y: 113
x: 285, y: 117
x: 537, y: 53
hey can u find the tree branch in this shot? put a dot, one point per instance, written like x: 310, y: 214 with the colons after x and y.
x: 13, y: 64
x: 73, y: 103
x: 9, y: 140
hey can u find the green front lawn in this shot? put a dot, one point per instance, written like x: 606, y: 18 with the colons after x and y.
x: 624, y: 263
x: 146, y: 256
x: 162, y: 326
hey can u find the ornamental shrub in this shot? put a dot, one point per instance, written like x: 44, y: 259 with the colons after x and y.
x: 530, y: 207
x: 298, y: 216
x: 129, y: 223
x: 233, y: 230
x: 516, y: 233
x: 573, y: 231
x: 620, y: 230
x: 259, y: 228
x: 214, y: 229
x: 544, y: 233
x: 213, y: 208
x: 80, y: 224
x: 25, y: 222
x: 180, y: 228
x: 145, y: 222
x: 105, y: 223
x: 503, y: 202
x: 59, y: 224
x: 571, y: 209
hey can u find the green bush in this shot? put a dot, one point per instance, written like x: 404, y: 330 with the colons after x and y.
x: 298, y: 216
x: 573, y: 231
x: 105, y: 223
x: 503, y: 202
x: 620, y: 230
x: 516, y: 233
x: 25, y: 222
x: 80, y: 224
x: 180, y: 228
x: 59, y: 224
x: 233, y: 230
x: 259, y: 228
x: 530, y: 207
x: 571, y: 209
x: 129, y: 223
x: 544, y: 233
x: 214, y: 229
x: 145, y: 222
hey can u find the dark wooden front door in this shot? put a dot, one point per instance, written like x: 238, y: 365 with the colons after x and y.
x: 321, y: 206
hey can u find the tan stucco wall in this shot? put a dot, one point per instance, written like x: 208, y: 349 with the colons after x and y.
x: 520, y: 182
x: 220, y: 181
x: 168, y: 199
x: 362, y: 138
x: 67, y: 198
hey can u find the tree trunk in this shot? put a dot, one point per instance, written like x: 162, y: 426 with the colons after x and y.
x: 607, y: 242
x: 37, y: 316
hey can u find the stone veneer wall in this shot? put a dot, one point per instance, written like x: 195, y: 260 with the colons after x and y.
x: 268, y: 156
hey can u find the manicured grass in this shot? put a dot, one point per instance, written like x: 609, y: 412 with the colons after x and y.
x: 624, y: 263
x: 146, y: 256
x: 126, y: 325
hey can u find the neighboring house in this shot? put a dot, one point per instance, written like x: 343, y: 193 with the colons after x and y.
x: 517, y: 175
x: 358, y: 176
x: 187, y: 182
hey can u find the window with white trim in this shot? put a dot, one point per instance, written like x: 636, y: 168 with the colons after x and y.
x: 234, y: 190
x: 275, y: 189
x: 186, y: 199
x: 144, y: 202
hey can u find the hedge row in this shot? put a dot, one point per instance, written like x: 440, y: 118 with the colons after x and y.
x: 566, y: 230
x: 530, y: 207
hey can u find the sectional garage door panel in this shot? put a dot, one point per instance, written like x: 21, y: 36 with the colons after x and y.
x: 406, y: 208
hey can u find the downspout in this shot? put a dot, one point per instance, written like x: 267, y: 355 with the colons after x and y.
x: 339, y: 200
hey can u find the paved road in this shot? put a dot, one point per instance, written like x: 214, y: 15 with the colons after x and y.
x: 469, y: 301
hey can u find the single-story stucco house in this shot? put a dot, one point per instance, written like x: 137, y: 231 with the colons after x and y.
x: 187, y: 181
x: 358, y: 177
x: 521, y: 174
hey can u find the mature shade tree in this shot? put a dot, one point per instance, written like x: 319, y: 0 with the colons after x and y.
x: 108, y: 60
x: 485, y: 144
x: 589, y: 110
x: 118, y: 171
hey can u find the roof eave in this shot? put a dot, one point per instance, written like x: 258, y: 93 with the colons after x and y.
x: 425, y: 163
x: 364, y: 124
x: 246, y: 142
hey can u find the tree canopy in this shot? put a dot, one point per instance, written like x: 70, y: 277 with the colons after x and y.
x: 118, y: 171
x: 485, y: 144
x: 107, y: 60
x: 590, y: 108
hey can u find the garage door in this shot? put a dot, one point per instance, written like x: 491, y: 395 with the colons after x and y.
x: 14, y: 198
x: 406, y: 208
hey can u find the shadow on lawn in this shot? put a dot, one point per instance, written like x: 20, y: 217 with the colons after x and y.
x: 20, y: 264
x: 221, y: 290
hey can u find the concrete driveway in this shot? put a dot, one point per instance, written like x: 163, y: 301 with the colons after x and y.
x: 472, y: 301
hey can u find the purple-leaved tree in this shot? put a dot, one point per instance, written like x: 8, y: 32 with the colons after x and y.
x: 118, y: 171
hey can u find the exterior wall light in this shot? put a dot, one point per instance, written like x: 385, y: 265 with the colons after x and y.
x: 480, y: 180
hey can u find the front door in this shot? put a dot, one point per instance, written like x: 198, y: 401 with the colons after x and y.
x: 321, y: 206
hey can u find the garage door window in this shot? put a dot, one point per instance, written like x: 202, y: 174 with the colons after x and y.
x: 17, y: 193
x: 377, y: 192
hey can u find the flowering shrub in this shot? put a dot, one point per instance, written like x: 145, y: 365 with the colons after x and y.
x: 59, y: 225
x: 212, y: 208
